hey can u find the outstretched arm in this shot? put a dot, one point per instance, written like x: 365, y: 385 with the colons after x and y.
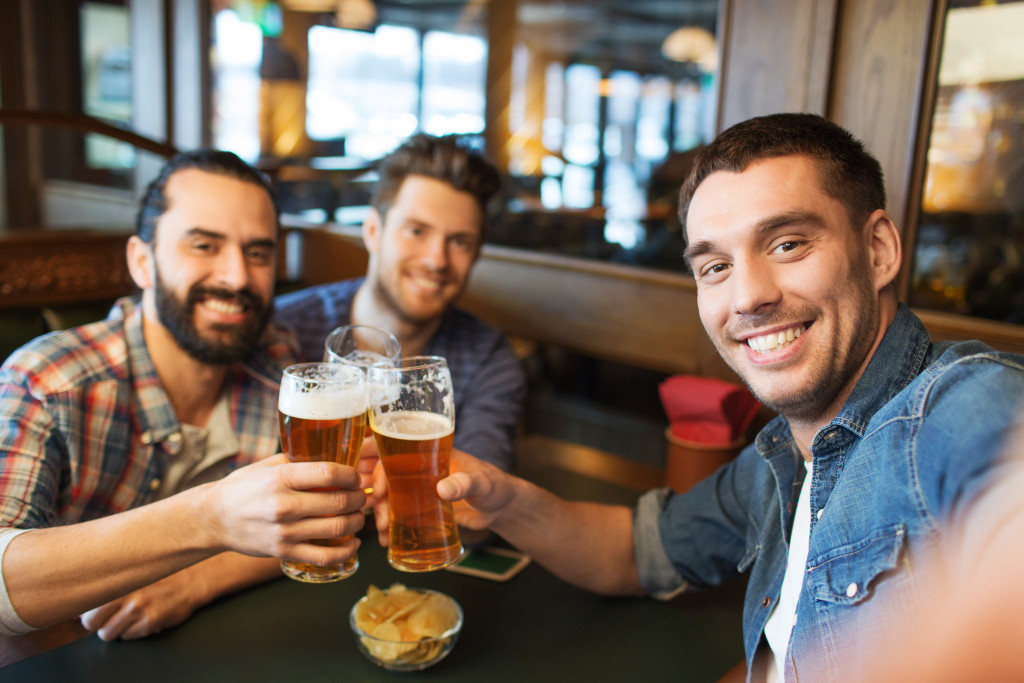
x: 267, y: 509
x: 587, y: 544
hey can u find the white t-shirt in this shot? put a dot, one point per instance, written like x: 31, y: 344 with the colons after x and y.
x: 783, y: 618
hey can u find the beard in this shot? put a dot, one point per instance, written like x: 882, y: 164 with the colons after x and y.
x: 233, y: 343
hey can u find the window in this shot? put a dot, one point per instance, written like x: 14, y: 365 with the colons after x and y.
x: 969, y: 255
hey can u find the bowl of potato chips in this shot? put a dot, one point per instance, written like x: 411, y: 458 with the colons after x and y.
x: 405, y: 629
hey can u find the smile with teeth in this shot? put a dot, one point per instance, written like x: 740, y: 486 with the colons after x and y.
x: 228, y: 307
x: 426, y: 283
x: 775, y: 341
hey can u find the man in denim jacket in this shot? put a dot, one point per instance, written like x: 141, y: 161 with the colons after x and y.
x: 883, y: 438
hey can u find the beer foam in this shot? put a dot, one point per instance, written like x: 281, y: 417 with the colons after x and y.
x: 323, y: 405
x: 413, y: 425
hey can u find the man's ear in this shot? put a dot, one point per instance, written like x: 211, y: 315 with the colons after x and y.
x: 885, y: 248
x: 373, y: 225
x: 140, y: 262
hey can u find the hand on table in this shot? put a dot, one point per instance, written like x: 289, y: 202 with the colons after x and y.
x: 142, y: 613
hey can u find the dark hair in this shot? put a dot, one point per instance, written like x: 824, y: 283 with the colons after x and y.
x: 154, y: 201
x: 442, y: 158
x: 847, y: 171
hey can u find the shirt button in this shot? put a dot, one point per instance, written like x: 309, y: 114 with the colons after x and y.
x: 767, y: 601
x: 174, y: 437
x: 154, y: 485
x: 146, y: 438
x: 820, y: 511
x: 851, y: 590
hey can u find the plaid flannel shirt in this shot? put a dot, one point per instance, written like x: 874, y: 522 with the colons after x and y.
x: 86, y: 429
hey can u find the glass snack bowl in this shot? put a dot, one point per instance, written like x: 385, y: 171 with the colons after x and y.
x: 405, y: 629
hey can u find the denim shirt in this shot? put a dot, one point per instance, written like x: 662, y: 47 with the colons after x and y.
x: 911, y: 447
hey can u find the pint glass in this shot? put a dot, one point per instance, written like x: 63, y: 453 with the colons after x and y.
x: 322, y: 413
x: 412, y: 415
x: 360, y: 345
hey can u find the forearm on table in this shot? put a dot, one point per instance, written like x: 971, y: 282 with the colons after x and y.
x: 56, y: 574
x: 587, y: 544
x: 228, y: 573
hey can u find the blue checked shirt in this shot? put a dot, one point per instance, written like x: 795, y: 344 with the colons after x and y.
x: 489, y: 383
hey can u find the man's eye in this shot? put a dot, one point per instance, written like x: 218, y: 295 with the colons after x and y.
x: 203, y: 246
x: 259, y: 255
x: 713, y: 271
x: 787, y: 246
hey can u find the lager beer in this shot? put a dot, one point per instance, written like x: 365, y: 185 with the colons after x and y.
x: 415, y: 448
x: 322, y: 414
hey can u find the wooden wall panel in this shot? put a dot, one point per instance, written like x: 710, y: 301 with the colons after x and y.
x: 776, y: 55
x: 620, y: 313
x: 879, y: 70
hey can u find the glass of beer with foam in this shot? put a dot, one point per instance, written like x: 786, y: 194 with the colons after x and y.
x: 322, y: 413
x: 412, y: 415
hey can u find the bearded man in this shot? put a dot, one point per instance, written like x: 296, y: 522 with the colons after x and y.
x: 128, y: 447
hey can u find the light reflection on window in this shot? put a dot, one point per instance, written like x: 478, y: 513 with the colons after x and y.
x: 363, y: 87
x: 238, y: 50
x: 107, y: 81
x: 454, y: 83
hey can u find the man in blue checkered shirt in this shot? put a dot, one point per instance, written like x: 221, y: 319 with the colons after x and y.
x: 423, y: 234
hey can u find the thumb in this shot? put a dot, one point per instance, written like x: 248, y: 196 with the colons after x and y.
x: 455, y: 487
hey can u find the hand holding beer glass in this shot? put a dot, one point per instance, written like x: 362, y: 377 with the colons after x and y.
x: 322, y: 413
x: 412, y: 415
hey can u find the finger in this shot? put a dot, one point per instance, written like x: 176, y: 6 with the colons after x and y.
x: 302, y: 476
x: 94, y: 619
x: 141, y: 628
x: 366, y: 465
x: 455, y: 486
x: 116, y: 624
x: 322, y: 527
x: 328, y: 504
x: 323, y: 555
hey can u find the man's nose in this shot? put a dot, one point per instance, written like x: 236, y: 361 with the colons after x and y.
x: 232, y: 269
x: 754, y: 286
x: 435, y: 254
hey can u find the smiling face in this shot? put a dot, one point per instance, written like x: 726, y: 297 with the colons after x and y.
x: 421, y: 256
x: 208, y: 276
x: 786, y: 287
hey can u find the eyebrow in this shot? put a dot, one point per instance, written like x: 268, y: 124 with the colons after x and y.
x: 210, y: 234
x: 765, y: 226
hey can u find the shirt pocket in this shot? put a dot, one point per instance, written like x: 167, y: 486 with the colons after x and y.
x: 849, y: 574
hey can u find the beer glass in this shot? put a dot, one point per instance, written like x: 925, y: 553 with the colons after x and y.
x: 322, y: 413
x: 360, y: 345
x: 412, y: 415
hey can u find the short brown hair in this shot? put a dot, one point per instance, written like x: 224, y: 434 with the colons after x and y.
x: 848, y: 172
x: 442, y: 158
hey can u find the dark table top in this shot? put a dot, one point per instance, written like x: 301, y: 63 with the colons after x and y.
x: 533, y: 627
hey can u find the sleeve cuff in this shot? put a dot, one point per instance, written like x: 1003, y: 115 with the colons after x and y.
x: 657, y: 574
x: 10, y: 623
